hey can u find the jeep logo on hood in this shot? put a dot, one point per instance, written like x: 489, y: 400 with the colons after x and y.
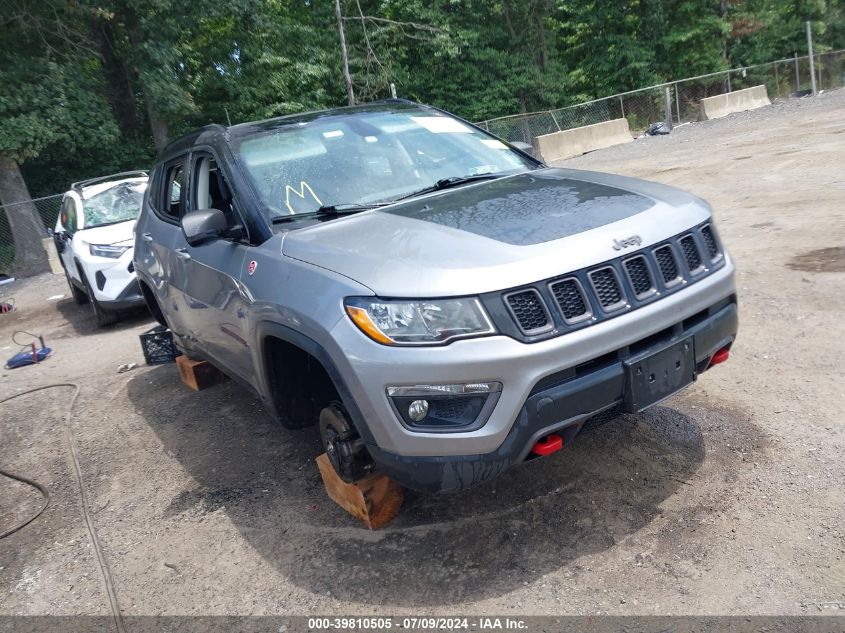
x: 634, y: 240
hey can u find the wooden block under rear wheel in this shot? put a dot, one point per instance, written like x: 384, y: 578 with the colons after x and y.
x: 198, y: 374
x: 374, y: 499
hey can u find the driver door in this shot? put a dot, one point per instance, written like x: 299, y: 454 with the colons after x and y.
x: 66, y: 227
x: 210, y: 275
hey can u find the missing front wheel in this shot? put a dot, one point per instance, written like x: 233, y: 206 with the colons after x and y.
x: 344, y: 447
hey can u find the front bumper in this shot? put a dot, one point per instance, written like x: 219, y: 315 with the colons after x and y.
x: 131, y: 297
x: 367, y: 369
x: 113, y: 281
x: 560, y: 403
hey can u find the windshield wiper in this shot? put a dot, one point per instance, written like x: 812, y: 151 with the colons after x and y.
x: 329, y: 210
x: 109, y: 223
x: 348, y: 209
x: 448, y: 183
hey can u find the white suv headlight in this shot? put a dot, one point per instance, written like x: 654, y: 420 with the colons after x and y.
x: 419, y: 322
x: 107, y: 250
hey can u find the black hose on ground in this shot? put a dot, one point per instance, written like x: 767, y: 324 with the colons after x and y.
x: 101, y: 559
x: 44, y: 493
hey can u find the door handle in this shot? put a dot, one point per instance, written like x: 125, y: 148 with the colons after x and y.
x: 182, y: 254
x: 147, y: 237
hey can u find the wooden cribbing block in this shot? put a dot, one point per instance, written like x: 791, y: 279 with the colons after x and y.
x: 198, y: 374
x: 374, y: 499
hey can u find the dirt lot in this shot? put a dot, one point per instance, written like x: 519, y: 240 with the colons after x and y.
x: 729, y: 499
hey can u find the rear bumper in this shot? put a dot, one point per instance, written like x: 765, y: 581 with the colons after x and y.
x: 561, y: 404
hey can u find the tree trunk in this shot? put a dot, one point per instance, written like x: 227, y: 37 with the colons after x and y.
x: 118, y: 78
x: 24, y: 221
x: 543, y: 46
x: 350, y: 93
x: 158, y: 125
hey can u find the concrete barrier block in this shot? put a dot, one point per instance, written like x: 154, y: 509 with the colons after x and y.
x: 580, y: 140
x: 730, y: 102
x: 52, y: 256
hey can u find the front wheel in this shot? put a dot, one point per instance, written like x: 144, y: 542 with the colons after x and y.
x: 344, y: 447
x: 79, y: 296
x: 103, y: 317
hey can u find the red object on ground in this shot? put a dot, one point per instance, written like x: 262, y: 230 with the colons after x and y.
x: 548, y: 445
x: 720, y: 357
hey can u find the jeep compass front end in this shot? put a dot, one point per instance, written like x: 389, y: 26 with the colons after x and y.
x: 442, y: 304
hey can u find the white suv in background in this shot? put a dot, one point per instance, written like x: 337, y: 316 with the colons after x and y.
x: 94, y: 235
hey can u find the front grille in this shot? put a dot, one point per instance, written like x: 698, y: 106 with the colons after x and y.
x: 691, y: 254
x: 710, y: 241
x: 571, y: 300
x: 608, y: 290
x: 590, y: 295
x: 639, y: 276
x: 668, y: 266
x: 528, y: 310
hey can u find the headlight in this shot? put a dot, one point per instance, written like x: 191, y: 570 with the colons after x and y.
x: 419, y: 322
x: 107, y: 250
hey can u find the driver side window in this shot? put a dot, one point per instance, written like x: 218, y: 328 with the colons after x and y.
x: 210, y: 189
x: 68, y: 215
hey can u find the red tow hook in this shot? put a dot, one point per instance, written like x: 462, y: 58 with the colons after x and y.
x: 720, y: 357
x: 552, y: 443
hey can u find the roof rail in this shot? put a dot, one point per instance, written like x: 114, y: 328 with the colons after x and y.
x: 123, y: 174
x: 394, y: 100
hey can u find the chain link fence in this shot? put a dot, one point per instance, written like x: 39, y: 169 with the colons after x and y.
x: 24, y: 225
x: 23, y: 231
x: 783, y: 78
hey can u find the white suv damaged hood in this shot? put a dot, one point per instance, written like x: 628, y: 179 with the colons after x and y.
x: 119, y: 233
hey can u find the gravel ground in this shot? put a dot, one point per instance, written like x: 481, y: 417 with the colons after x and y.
x: 726, y: 500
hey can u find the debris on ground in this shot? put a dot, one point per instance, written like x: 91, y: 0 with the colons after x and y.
x: 659, y: 129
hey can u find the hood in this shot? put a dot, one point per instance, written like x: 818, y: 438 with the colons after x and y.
x: 119, y: 234
x: 497, y: 234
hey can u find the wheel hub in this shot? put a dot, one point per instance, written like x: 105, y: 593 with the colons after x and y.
x: 344, y: 447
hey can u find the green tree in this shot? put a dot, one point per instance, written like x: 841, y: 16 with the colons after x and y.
x: 45, y: 101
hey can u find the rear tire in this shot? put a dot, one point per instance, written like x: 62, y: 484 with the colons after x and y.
x: 103, y: 317
x: 79, y: 296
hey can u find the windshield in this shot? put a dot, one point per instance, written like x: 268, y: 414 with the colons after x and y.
x: 116, y: 204
x: 366, y: 157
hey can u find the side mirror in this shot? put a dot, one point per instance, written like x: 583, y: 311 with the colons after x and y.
x: 528, y: 148
x: 203, y: 225
x: 59, y: 240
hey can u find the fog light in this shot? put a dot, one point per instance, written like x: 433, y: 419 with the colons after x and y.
x: 444, y: 408
x: 417, y: 410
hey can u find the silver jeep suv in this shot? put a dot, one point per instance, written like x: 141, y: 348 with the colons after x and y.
x: 442, y: 304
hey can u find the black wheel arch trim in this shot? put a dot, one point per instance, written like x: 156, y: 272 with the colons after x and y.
x: 266, y: 329
x: 145, y: 287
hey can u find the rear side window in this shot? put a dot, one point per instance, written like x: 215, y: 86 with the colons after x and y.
x: 172, y: 195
